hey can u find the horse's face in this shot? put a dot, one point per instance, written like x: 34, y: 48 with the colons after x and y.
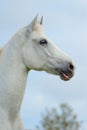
x: 40, y: 53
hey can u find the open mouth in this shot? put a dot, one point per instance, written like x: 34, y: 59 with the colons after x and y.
x: 65, y: 75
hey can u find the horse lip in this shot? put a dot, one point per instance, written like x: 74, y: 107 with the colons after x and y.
x: 64, y: 75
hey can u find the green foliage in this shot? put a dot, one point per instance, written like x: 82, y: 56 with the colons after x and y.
x: 66, y: 120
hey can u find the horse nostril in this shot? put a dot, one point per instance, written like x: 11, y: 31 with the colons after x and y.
x: 71, y: 67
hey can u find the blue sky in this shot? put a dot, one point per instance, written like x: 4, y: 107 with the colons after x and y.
x: 65, y: 22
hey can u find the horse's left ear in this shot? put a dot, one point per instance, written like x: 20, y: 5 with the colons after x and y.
x: 33, y: 23
x: 31, y: 26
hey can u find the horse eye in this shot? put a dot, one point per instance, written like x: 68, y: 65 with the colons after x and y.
x: 43, y: 42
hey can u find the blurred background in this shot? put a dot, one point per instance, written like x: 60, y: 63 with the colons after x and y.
x: 65, y: 23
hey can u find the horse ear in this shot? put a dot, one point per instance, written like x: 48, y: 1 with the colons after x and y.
x: 33, y: 23
x: 31, y: 26
x: 41, y: 21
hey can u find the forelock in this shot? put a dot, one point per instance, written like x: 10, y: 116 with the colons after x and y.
x: 38, y: 28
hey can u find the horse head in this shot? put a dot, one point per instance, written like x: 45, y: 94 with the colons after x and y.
x: 40, y: 53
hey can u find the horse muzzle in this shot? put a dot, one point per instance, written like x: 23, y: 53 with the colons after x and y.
x: 66, y: 72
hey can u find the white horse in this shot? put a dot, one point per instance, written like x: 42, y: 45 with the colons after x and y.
x: 28, y: 49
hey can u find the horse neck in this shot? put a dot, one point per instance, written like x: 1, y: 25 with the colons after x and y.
x: 13, y: 76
